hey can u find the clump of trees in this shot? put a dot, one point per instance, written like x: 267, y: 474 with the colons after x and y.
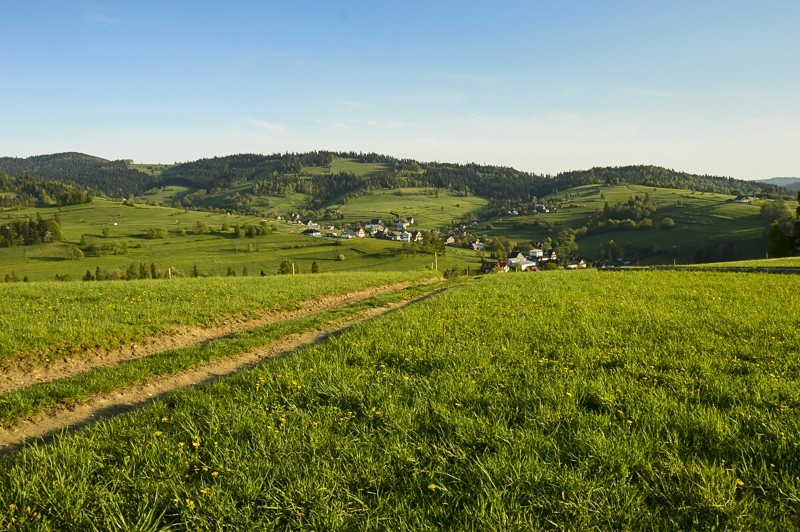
x: 30, y: 231
x: 783, y: 234
x: 288, y: 267
x: 632, y: 214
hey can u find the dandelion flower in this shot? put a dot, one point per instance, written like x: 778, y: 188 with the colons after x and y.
x: 432, y: 486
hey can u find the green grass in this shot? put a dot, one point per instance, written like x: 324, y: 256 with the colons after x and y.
x: 785, y: 262
x: 47, y: 320
x: 352, y: 166
x: 150, y: 168
x: 429, y: 208
x: 23, y: 403
x: 581, y: 400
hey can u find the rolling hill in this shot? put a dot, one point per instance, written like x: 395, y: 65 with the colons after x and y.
x: 789, y: 183
x: 468, y: 201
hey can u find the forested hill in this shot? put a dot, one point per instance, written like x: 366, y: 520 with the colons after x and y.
x: 657, y: 176
x: 113, y: 178
x: 28, y: 191
x: 790, y: 183
x: 313, y: 174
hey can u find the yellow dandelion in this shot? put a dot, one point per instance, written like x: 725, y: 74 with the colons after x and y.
x: 432, y: 486
x: 215, y: 474
x: 739, y: 482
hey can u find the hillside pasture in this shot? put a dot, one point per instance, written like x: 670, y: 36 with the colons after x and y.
x: 430, y: 208
x: 700, y: 219
x: 350, y: 166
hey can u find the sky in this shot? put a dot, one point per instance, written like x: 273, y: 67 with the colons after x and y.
x: 708, y: 87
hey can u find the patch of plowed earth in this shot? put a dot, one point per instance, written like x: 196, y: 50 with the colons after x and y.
x: 103, y: 406
x: 182, y: 336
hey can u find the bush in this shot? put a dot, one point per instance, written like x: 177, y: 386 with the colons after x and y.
x: 667, y: 223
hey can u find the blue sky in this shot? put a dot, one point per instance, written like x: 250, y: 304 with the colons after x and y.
x: 541, y: 85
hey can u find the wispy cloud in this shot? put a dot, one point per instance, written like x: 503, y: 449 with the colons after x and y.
x: 102, y: 20
x: 257, y: 123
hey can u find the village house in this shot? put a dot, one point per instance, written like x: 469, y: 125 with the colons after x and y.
x: 741, y: 199
x: 354, y: 233
x: 450, y: 241
x: 311, y: 232
x: 515, y: 258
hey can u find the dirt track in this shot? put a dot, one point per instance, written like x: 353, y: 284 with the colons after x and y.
x: 102, y: 406
x: 22, y: 377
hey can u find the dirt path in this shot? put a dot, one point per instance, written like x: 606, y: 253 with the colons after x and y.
x: 102, y: 406
x: 182, y: 336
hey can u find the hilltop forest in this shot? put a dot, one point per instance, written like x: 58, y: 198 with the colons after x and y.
x: 281, y: 174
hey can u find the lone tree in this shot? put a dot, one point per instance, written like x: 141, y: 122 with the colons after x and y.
x: 288, y: 267
x: 314, y: 267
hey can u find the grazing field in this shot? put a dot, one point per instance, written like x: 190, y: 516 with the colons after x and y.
x: 608, y: 400
x: 49, y: 320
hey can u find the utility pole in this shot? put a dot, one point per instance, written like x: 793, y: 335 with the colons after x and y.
x: 436, y: 260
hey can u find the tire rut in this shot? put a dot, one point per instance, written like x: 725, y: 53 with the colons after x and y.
x: 182, y: 336
x: 44, y: 426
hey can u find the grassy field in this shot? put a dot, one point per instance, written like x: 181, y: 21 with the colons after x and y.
x: 563, y: 400
x: 785, y: 262
x: 429, y: 208
x: 351, y: 166
x: 22, y: 403
x: 700, y: 218
x: 36, y: 317
x: 181, y: 249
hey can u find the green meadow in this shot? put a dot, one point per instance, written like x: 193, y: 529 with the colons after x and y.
x: 123, y: 230
x: 700, y: 218
x: 579, y: 400
x: 431, y: 209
